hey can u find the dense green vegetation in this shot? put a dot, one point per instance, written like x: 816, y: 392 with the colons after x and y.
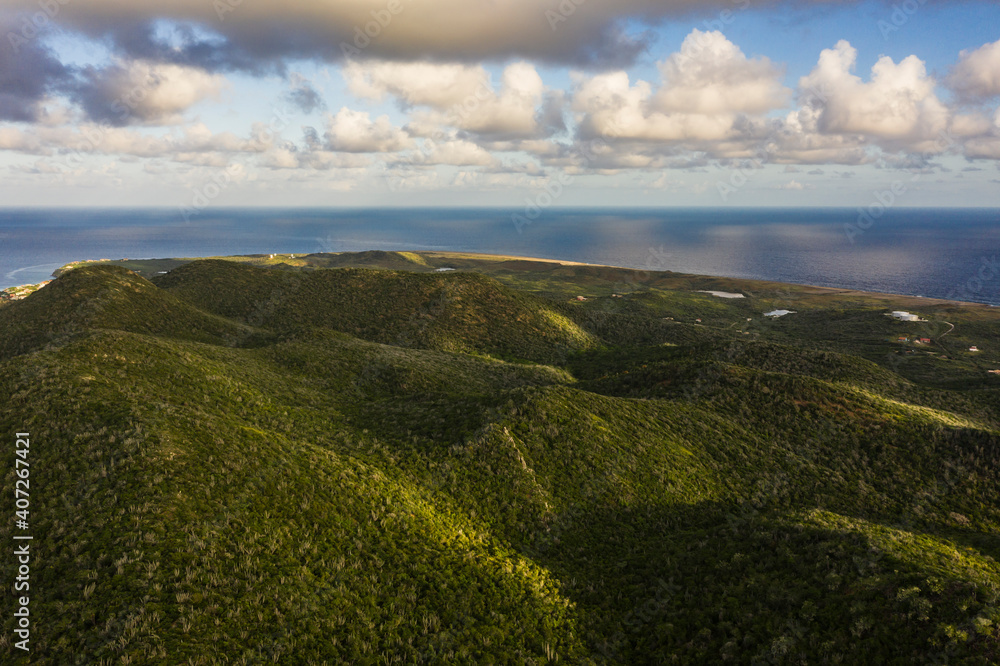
x: 322, y: 460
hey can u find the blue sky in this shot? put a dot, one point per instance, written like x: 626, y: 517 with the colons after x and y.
x: 511, y: 103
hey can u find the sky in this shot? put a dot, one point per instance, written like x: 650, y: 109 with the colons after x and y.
x: 510, y: 103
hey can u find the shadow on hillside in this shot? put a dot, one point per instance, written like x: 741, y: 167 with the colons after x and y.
x: 707, y: 582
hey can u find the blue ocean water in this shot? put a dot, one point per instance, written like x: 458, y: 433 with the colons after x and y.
x: 943, y: 253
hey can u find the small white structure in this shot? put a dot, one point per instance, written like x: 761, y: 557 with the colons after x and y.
x: 443, y: 269
x: 721, y: 294
x: 778, y: 313
x: 973, y: 348
x: 904, y: 316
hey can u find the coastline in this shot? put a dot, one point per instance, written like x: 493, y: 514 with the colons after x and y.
x: 952, y: 257
x: 499, y: 261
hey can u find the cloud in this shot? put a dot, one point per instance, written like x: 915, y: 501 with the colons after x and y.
x: 440, y: 86
x: 230, y: 34
x: 798, y: 139
x: 970, y: 125
x: 29, y: 74
x: 325, y: 160
x: 897, y: 108
x: 985, y: 148
x: 73, y: 144
x: 289, y: 157
x: 460, y: 153
x: 23, y: 142
x: 976, y: 77
x: 304, y: 96
x: 463, y: 96
x: 707, y: 87
x: 140, y: 92
x: 213, y: 160
x: 355, y: 132
x: 711, y: 75
x: 710, y: 101
x: 221, y: 35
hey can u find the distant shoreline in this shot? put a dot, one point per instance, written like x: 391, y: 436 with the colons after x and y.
x: 793, y: 246
x: 21, y: 291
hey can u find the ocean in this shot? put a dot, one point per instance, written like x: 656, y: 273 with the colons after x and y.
x: 941, y: 253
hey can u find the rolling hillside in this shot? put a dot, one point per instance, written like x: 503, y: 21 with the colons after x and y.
x: 358, y: 459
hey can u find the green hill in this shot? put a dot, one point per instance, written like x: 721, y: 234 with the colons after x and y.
x: 305, y: 464
x: 107, y: 297
x: 451, y: 312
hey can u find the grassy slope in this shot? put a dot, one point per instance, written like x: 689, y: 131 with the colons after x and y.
x: 439, y: 311
x: 106, y: 297
x: 223, y: 467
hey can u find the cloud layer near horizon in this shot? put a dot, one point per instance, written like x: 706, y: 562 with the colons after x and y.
x: 709, y: 102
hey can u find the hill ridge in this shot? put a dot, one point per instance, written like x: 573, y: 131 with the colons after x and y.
x: 306, y: 464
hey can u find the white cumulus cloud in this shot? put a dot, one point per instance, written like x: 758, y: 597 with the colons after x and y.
x: 711, y: 75
x: 140, y: 92
x: 460, y: 96
x: 897, y: 107
x: 355, y: 132
x: 707, y: 86
x: 977, y: 74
